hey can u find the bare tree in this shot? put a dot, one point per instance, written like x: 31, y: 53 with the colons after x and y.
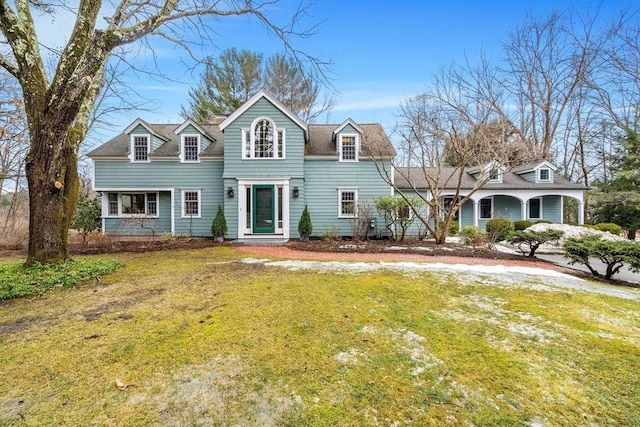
x: 433, y: 124
x: 58, y: 107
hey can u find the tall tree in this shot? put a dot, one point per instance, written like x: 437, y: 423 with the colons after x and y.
x: 225, y: 84
x: 58, y: 107
x: 237, y: 75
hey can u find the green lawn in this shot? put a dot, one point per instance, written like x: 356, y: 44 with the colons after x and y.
x: 211, y: 340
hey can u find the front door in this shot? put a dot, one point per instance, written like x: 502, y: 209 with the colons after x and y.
x: 263, y: 209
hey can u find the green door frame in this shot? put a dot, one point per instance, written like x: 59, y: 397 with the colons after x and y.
x: 263, y: 225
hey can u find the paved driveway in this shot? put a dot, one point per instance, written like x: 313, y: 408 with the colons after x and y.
x: 623, y: 274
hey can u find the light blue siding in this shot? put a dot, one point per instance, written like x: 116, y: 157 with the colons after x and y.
x: 552, y: 209
x: 323, y: 179
x: 205, y: 177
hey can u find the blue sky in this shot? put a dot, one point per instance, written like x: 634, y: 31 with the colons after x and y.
x: 381, y: 51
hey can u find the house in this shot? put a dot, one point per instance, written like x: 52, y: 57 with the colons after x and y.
x: 534, y: 191
x: 262, y: 165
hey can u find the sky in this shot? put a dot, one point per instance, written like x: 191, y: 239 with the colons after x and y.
x: 381, y: 52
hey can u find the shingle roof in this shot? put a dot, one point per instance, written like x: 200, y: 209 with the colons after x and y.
x: 321, y: 143
x: 449, y: 180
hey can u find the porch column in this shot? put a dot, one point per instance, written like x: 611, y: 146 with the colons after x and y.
x: 580, y: 212
x: 523, y: 210
x: 475, y: 212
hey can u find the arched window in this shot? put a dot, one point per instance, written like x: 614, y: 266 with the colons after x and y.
x: 263, y: 140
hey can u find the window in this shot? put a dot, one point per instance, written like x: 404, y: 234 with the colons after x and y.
x: 140, y: 148
x: 264, y: 141
x: 535, y: 208
x: 348, y: 148
x: 448, y: 205
x: 544, y: 175
x: 486, y: 208
x: 348, y: 203
x: 190, y: 148
x: 191, y: 204
x: 132, y: 204
x: 113, y: 204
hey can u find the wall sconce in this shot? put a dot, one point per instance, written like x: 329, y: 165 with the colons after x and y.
x: 230, y: 192
x: 295, y: 192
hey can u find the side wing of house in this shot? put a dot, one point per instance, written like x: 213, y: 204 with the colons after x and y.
x: 158, y: 179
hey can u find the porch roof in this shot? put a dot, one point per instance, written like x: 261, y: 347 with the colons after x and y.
x: 448, y: 178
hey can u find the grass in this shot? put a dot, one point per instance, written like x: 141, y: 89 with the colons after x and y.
x: 210, y: 340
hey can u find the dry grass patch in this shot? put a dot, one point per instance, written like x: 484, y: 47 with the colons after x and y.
x: 210, y: 340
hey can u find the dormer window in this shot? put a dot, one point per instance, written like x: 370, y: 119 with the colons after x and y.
x: 190, y: 148
x: 263, y: 141
x: 140, y: 148
x: 348, y: 148
x: 544, y: 174
x: 496, y: 177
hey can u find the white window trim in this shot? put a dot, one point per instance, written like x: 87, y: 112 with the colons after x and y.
x: 107, y: 213
x: 529, y: 208
x: 497, y: 179
x: 355, y: 208
x: 182, y: 148
x: 252, y: 138
x: 182, y: 207
x: 480, y: 208
x: 132, y: 156
x: 357, y: 147
x: 540, y: 175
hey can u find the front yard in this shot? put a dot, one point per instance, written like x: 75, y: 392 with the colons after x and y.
x: 210, y: 338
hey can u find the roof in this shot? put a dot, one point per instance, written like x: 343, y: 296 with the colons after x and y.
x: 321, y: 143
x: 119, y: 146
x: 449, y: 178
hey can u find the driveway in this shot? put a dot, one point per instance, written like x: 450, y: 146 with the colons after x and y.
x: 600, y: 267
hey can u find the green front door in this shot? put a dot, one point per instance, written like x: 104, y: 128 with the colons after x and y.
x: 263, y: 212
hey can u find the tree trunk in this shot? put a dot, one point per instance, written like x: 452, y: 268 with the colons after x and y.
x: 631, y: 235
x: 52, y: 175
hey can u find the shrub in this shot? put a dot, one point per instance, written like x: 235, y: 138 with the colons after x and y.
x: 473, y: 235
x: 522, y: 224
x: 305, y: 227
x: 332, y: 234
x: 543, y: 221
x: 499, y: 229
x: 454, y: 228
x: 612, y: 228
x: 219, y: 225
x: 615, y: 254
x: 533, y: 239
x: 87, y: 217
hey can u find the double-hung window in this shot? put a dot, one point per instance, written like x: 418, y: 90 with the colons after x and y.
x: 348, y: 148
x: 486, y: 208
x: 347, y: 203
x: 191, y: 203
x: 535, y: 208
x: 263, y: 141
x: 544, y: 175
x: 140, y: 148
x: 190, y: 148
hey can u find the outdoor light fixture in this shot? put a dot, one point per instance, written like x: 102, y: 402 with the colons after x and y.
x: 296, y: 192
x: 230, y: 192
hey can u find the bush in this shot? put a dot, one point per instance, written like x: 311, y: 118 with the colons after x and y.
x: 332, y: 234
x: 612, y: 228
x: 533, y: 239
x: 522, y: 224
x: 87, y: 217
x: 305, y: 227
x: 615, y: 254
x: 219, y: 225
x: 499, y: 229
x: 543, y: 221
x: 473, y: 235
